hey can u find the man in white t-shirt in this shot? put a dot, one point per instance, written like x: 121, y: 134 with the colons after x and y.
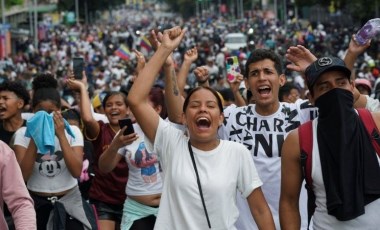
x: 262, y: 128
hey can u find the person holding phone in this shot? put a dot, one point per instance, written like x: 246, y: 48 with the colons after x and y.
x: 144, y: 184
x: 107, y: 191
x: 193, y: 199
x: 78, y: 67
x: 126, y: 122
x: 144, y: 180
x: 233, y: 69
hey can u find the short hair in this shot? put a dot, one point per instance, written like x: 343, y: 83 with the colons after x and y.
x: 285, y: 90
x: 45, y: 89
x: 17, y: 88
x: 72, y: 114
x: 260, y: 55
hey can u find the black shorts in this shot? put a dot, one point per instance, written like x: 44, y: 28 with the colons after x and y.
x: 107, y: 211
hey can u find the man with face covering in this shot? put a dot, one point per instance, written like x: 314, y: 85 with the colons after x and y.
x: 345, y: 167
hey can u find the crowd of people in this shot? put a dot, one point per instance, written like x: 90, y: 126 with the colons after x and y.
x: 105, y: 70
x: 204, y: 152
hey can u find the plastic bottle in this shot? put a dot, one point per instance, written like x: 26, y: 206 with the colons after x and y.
x: 368, y: 31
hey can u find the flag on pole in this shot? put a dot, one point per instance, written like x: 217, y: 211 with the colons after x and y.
x: 123, y: 52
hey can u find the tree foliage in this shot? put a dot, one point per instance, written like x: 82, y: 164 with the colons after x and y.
x: 184, y: 7
x: 10, y: 3
x: 93, y: 5
x: 360, y: 10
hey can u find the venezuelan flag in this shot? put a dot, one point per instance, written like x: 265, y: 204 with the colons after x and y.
x: 145, y: 44
x: 123, y: 52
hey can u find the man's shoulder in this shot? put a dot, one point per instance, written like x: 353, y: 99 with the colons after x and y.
x: 300, y: 104
x: 231, y: 109
x: 302, y: 108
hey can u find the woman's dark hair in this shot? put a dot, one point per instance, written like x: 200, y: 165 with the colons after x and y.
x: 219, y: 100
x: 156, y: 96
x: 285, y: 90
x: 72, y: 114
x: 17, y: 88
x: 113, y: 93
x: 45, y: 89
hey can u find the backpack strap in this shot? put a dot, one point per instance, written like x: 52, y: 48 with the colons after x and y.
x: 305, y: 136
x: 370, y: 125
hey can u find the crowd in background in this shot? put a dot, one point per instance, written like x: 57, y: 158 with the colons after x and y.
x: 97, y: 43
x: 106, y: 71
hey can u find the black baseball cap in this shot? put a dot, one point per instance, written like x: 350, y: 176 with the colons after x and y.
x: 322, y: 65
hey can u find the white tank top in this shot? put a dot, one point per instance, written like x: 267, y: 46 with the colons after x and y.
x: 321, y: 219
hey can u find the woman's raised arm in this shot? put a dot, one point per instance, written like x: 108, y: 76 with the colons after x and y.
x: 138, y: 99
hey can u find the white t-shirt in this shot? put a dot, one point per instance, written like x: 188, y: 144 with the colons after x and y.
x: 144, y: 170
x: 372, y: 105
x: 264, y: 136
x: 50, y: 174
x: 222, y: 171
x: 322, y: 220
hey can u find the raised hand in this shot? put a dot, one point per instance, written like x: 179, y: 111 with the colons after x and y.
x: 300, y: 57
x: 354, y: 50
x: 191, y: 55
x: 357, y: 49
x: 172, y: 37
x: 121, y: 140
x: 236, y: 84
x: 201, y: 74
x: 140, y: 61
x: 76, y: 84
x: 154, y: 39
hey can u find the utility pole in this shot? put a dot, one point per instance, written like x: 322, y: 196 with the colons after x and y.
x: 35, y: 25
x: 3, y: 12
x: 197, y: 8
x: 30, y: 4
x: 275, y: 9
x: 241, y: 9
x: 86, y: 12
x: 285, y: 16
x: 3, y: 29
x: 77, y: 12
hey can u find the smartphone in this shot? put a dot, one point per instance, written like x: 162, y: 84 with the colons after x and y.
x: 127, y: 122
x: 232, y: 67
x: 78, y: 67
